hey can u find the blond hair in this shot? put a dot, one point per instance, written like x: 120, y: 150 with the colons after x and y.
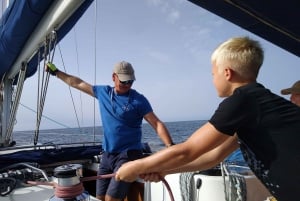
x: 242, y: 54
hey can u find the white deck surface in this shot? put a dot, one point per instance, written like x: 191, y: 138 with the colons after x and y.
x: 212, y: 189
x: 33, y: 193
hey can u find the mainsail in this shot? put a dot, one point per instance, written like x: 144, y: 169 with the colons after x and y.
x: 23, y: 19
x: 275, y: 21
x: 23, y: 28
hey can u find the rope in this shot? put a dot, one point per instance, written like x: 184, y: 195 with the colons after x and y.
x: 50, y: 42
x: 69, y: 191
x: 237, y: 185
x: 168, y: 188
x: 224, y: 182
x: 187, y: 186
x: 7, y: 185
x: 15, y: 103
x: 73, y: 191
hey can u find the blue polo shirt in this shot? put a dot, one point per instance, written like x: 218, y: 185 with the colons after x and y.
x: 122, y: 116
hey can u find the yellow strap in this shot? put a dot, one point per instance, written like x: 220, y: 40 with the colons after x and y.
x: 51, y: 66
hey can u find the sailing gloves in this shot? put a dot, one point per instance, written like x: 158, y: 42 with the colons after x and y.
x: 51, y: 68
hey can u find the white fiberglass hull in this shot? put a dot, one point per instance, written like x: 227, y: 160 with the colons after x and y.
x: 198, y: 186
x: 211, y: 189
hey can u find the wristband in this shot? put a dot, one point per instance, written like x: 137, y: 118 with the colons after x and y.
x: 52, y: 68
x: 171, y: 144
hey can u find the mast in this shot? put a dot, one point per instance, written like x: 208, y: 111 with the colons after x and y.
x: 4, y: 5
x: 5, y: 93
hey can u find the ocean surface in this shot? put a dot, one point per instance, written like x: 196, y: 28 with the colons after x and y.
x: 179, y: 131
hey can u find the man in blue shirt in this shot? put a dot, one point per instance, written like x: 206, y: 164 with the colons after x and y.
x: 122, y: 111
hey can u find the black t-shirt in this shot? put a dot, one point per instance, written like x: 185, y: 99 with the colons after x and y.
x: 268, y: 128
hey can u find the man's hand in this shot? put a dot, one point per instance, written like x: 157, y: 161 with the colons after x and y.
x: 51, y: 68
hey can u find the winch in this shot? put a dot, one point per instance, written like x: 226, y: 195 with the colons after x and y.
x: 69, y: 187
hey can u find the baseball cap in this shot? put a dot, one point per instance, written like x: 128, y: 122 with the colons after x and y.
x: 295, y: 89
x: 124, y: 70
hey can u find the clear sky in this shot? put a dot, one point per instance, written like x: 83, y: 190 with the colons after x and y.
x: 168, y: 42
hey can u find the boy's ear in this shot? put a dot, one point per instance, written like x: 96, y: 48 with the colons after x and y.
x: 228, y: 72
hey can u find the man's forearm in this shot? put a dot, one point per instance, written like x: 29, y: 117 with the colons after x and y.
x: 69, y: 79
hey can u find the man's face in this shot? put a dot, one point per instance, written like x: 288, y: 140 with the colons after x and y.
x: 121, y: 87
x: 295, y: 98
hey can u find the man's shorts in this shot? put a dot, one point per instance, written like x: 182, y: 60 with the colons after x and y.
x: 110, y: 163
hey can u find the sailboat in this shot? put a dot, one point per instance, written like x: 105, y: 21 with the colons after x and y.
x: 25, y: 53
x: 29, y: 32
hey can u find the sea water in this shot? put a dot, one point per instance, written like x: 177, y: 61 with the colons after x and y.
x: 179, y: 130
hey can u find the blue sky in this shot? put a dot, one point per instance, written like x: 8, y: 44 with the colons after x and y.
x: 168, y: 42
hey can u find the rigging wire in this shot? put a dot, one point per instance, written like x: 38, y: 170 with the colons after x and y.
x: 80, y: 94
x: 45, y: 81
x: 73, y: 103
x: 50, y: 43
x: 264, y: 21
x: 44, y: 116
x: 95, y: 67
x: 14, y: 106
x: 77, y: 60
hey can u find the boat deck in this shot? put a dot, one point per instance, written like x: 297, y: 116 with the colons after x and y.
x: 33, y: 193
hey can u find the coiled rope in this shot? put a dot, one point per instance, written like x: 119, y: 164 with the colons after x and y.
x: 75, y: 190
x: 7, y: 185
x: 68, y: 191
x: 237, y: 185
x: 187, y: 186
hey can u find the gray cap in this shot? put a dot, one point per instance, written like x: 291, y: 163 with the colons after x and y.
x: 124, y: 70
x: 295, y: 89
